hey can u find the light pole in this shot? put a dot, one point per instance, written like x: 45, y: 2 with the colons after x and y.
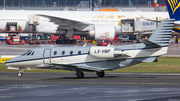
x: 4, y: 4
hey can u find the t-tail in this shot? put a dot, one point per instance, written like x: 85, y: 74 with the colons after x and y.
x: 173, y: 7
x: 161, y: 36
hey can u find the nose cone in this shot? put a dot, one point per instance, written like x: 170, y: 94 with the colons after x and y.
x: 10, y: 63
x: 7, y: 63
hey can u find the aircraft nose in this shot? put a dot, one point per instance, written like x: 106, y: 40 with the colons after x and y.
x: 7, y: 63
x: 10, y: 63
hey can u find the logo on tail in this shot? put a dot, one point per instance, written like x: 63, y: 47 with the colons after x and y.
x: 174, y: 4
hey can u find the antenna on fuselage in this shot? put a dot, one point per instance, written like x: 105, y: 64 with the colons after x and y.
x: 85, y: 45
x: 108, y: 45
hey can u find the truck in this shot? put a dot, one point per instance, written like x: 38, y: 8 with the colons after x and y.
x: 125, y: 38
x: 14, y: 40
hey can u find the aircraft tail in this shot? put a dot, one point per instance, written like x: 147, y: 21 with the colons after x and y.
x: 173, y: 7
x: 161, y: 36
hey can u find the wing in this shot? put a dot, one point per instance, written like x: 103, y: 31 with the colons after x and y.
x: 68, y: 24
x: 82, y: 66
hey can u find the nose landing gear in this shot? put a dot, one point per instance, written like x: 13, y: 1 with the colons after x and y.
x: 20, y: 74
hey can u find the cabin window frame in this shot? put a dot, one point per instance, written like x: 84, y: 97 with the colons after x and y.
x: 79, y: 52
x: 55, y: 53
x: 63, y: 52
x: 71, y: 52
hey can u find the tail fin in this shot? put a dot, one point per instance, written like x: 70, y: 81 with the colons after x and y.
x: 173, y: 7
x: 161, y: 36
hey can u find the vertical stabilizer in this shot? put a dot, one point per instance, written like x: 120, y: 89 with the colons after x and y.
x: 173, y: 7
x: 161, y: 36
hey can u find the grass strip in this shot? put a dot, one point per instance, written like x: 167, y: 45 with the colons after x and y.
x: 164, y: 65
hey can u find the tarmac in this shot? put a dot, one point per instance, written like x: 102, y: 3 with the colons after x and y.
x: 67, y: 87
x: 112, y: 87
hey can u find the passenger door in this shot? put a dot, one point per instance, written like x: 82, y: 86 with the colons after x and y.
x: 47, y: 56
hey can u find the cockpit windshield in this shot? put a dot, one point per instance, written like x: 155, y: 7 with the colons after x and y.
x: 29, y: 51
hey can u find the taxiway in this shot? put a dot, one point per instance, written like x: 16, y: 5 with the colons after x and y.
x: 113, y: 87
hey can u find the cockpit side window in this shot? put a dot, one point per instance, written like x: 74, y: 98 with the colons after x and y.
x: 26, y: 53
x: 32, y: 53
x: 29, y: 53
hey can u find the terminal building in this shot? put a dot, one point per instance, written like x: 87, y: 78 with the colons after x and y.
x: 76, y: 4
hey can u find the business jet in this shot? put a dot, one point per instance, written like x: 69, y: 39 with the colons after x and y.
x: 96, y: 58
x: 67, y: 23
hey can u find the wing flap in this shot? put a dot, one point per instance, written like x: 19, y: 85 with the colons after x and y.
x: 79, y: 66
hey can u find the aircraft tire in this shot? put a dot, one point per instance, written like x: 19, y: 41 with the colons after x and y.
x: 19, y: 74
x: 81, y: 75
x: 100, y: 74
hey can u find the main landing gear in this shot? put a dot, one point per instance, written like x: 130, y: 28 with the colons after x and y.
x: 79, y: 73
x: 20, y: 74
x: 100, y: 73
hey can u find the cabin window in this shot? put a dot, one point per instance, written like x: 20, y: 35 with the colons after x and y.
x: 55, y: 52
x: 32, y: 53
x: 79, y: 52
x: 71, y: 52
x: 63, y: 52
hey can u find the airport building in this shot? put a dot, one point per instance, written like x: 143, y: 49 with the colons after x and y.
x: 75, y: 4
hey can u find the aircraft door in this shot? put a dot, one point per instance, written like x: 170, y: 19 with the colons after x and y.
x: 47, y: 56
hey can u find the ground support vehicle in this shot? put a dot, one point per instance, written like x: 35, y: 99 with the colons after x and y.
x: 13, y: 38
x: 64, y: 40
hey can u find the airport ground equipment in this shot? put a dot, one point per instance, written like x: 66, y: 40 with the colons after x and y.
x: 13, y: 30
x: 65, y: 40
x: 14, y: 40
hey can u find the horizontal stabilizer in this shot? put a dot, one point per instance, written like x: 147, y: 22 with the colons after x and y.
x: 148, y: 59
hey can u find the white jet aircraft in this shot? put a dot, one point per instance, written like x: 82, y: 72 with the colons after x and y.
x: 96, y: 58
x: 95, y: 24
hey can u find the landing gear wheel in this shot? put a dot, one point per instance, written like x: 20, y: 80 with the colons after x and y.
x: 100, y: 74
x: 81, y: 75
x: 19, y: 74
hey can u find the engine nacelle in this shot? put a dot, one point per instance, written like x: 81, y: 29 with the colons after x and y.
x: 99, y: 32
x: 106, y: 52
